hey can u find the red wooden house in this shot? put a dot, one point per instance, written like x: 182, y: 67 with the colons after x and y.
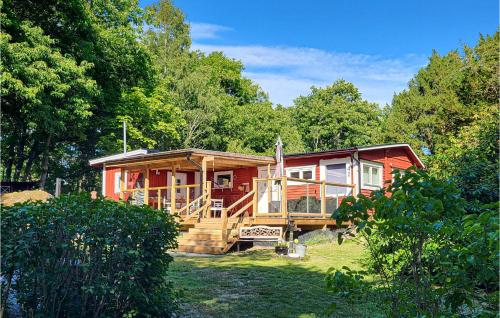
x: 216, y: 194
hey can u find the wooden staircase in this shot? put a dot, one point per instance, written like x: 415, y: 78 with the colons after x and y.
x: 207, y: 237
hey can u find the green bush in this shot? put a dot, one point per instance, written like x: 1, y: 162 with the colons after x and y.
x: 76, y: 257
x: 430, y: 257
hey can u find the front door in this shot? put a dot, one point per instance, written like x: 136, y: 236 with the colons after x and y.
x: 264, y: 204
x: 180, y: 179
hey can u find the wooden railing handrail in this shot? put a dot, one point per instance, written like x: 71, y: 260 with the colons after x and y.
x: 348, y: 185
x: 240, y: 211
x: 243, y: 198
x: 201, y: 197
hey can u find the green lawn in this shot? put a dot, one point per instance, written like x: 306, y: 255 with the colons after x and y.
x: 261, y: 284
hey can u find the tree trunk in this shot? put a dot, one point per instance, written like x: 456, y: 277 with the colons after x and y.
x: 34, y: 153
x: 9, y: 163
x: 45, y: 165
x: 20, y: 156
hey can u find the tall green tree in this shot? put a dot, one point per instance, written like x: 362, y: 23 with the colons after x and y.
x: 445, y: 96
x: 335, y: 117
x: 46, y: 98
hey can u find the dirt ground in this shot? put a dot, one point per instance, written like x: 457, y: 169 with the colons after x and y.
x: 9, y: 199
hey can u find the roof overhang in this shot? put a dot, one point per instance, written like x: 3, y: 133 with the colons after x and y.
x: 102, y: 160
x: 190, y: 159
x: 349, y: 151
x: 410, y: 150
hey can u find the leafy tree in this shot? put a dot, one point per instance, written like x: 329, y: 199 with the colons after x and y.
x: 150, y: 122
x: 471, y: 159
x: 335, y: 117
x: 98, y: 34
x: 253, y: 128
x: 46, y: 99
x: 445, y: 96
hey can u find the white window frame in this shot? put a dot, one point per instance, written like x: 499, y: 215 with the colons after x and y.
x: 117, y: 181
x: 218, y: 173
x: 327, y: 162
x: 372, y: 165
x: 300, y: 170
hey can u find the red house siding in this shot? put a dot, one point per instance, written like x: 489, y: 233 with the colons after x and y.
x: 240, y: 176
x: 391, y: 158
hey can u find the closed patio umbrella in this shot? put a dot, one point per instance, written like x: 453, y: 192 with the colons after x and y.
x: 280, y: 168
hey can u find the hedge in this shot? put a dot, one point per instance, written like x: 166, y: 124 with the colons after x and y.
x: 76, y: 257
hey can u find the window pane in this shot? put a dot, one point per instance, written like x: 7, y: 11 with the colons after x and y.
x: 366, y: 175
x: 375, y: 176
x: 224, y: 180
x: 308, y: 174
x: 295, y: 174
x: 336, y: 173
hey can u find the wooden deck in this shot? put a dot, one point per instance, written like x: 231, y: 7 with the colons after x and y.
x: 215, y: 233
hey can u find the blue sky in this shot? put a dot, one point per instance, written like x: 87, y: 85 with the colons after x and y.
x: 288, y: 46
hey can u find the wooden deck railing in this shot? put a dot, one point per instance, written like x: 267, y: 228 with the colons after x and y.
x: 284, y: 195
x: 187, y: 205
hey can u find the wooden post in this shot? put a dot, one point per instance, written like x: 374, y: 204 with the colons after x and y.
x: 146, y: 186
x: 284, y: 197
x: 159, y: 199
x: 173, y: 189
x: 209, y: 199
x: 224, y: 224
x: 323, y: 198
x: 203, y: 177
x: 269, y: 193
x: 122, y: 184
x: 58, y: 187
x: 188, y: 190
x: 255, y: 194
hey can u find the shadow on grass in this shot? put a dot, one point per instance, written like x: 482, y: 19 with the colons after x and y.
x: 257, y: 284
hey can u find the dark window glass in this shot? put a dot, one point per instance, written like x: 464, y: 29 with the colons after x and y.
x: 308, y: 174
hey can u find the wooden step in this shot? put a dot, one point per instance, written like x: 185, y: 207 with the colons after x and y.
x: 203, y: 237
x: 200, y: 249
x: 197, y: 230
x: 188, y: 241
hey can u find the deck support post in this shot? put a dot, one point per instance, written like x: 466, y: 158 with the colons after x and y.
x: 323, y: 198
x: 269, y: 193
x: 122, y: 184
x: 255, y: 194
x: 146, y: 186
x: 173, y: 189
x: 284, y: 205
x: 224, y: 224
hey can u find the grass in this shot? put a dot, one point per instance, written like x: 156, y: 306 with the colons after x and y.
x: 260, y: 284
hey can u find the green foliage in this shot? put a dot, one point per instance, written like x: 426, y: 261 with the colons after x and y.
x: 335, y: 117
x: 151, y: 123
x: 444, y: 96
x: 73, y: 256
x: 471, y: 159
x: 430, y: 257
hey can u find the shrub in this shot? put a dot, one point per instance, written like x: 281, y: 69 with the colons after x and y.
x: 76, y: 257
x: 430, y: 257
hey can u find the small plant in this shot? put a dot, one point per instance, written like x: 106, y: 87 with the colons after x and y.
x: 281, y: 248
x: 282, y: 244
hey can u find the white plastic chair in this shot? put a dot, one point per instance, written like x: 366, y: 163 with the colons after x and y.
x: 216, y: 207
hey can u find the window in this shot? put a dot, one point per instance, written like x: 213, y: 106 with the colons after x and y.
x: 396, y: 171
x: 117, y: 181
x: 336, y: 173
x: 372, y: 175
x: 305, y: 172
x: 223, y: 179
